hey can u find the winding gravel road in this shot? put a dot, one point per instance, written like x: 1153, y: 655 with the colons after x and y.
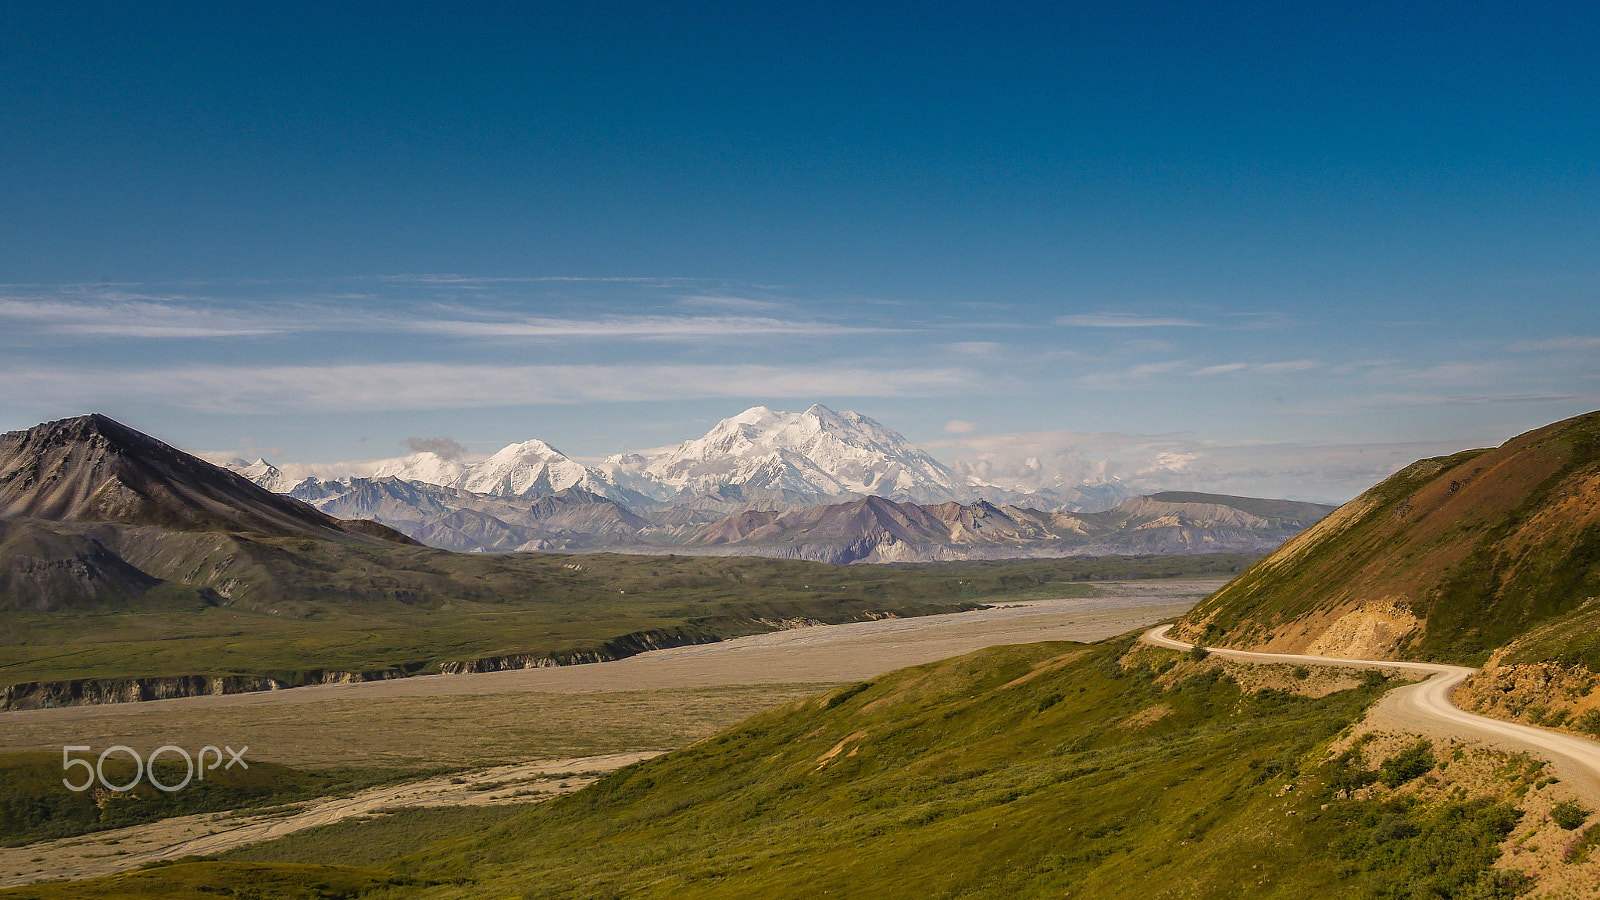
x: 1426, y: 707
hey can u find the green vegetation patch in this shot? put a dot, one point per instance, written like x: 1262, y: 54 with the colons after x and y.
x: 207, y: 880
x: 1034, y: 771
x: 35, y: 805
x: 379, y: 839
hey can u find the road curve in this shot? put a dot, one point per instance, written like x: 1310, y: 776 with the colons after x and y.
x: 1426, y: 706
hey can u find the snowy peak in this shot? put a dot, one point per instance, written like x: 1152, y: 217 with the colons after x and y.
x: 263, y: 474
x: 818, y: 452
x: 530, y: 467
x: 525, y: 469
x: 427, y: 467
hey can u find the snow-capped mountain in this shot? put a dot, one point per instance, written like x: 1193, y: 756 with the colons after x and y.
x: 759, y: 458
x: 426, y: 467
x: 264, y: 474
x: 818, y: 453
x: 531, y: 468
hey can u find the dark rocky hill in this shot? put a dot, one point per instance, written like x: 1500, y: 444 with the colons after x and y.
x: 95, y: 469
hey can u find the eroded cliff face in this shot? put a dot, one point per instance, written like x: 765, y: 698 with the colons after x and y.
x: 1544, y: 694
x: 90, y: 691
x: 1372, y: 631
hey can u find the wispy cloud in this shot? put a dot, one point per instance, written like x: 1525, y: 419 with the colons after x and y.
x: 127, y: 317
x: 639, y: 327
x: 450, y: 278
x: 448, y: 448
x: 1353, y: 404
x: 1123, y: 378
x: 977, y: 349
x: 727, y: 301
x: 1452, y: 374
x: 1124, y: 320
x: 1574, y: 342
x: 1270, y: 368
x: 1309, y: 471
x: 123, y: 315
x: 350, y: 388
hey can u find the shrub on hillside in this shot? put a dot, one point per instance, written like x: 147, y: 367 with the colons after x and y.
x: 1412, y: 762
x: 1568, y: 815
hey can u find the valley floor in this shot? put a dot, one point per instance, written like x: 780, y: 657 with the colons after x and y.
x: 610, y: 713
x: 497, y: 716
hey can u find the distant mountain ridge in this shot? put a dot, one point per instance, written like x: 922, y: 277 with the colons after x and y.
x: 759, y: 458
x: 818, y: 485
x: 867, y: 529
x: 174, y: 577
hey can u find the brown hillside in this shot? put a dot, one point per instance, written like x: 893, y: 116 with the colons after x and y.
x: 1448, y: 558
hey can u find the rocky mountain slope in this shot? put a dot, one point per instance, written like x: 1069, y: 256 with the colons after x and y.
x: 93, y: 512
x: 460, y: 520
x: 1448, y: 559
x: 95, y: 469
x: 871, y: 529
x: 879, y: 530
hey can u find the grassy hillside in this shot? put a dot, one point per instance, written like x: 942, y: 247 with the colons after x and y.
x: 1016, y: 772
x: 1447, y: 559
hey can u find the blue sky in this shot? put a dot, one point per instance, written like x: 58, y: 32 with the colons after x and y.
x: 1263, y: 248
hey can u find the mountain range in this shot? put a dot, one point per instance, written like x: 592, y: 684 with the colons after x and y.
x: 760, y: 456
x: 818, y: 485
x: 869, y: 529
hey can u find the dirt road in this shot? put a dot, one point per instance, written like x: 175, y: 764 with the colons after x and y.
x: 1426, y: 707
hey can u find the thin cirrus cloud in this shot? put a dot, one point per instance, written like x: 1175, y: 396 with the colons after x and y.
x: 728, y: 301
x: 1125, y: 320
x: 1271, y: 368
x: 1359, y: 403
x: 1570, y: 343
x: 130, y: 318
x: 1331, y: 472
x: 639, y: 327
x: 392, y: 386
x: 122, y: 317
